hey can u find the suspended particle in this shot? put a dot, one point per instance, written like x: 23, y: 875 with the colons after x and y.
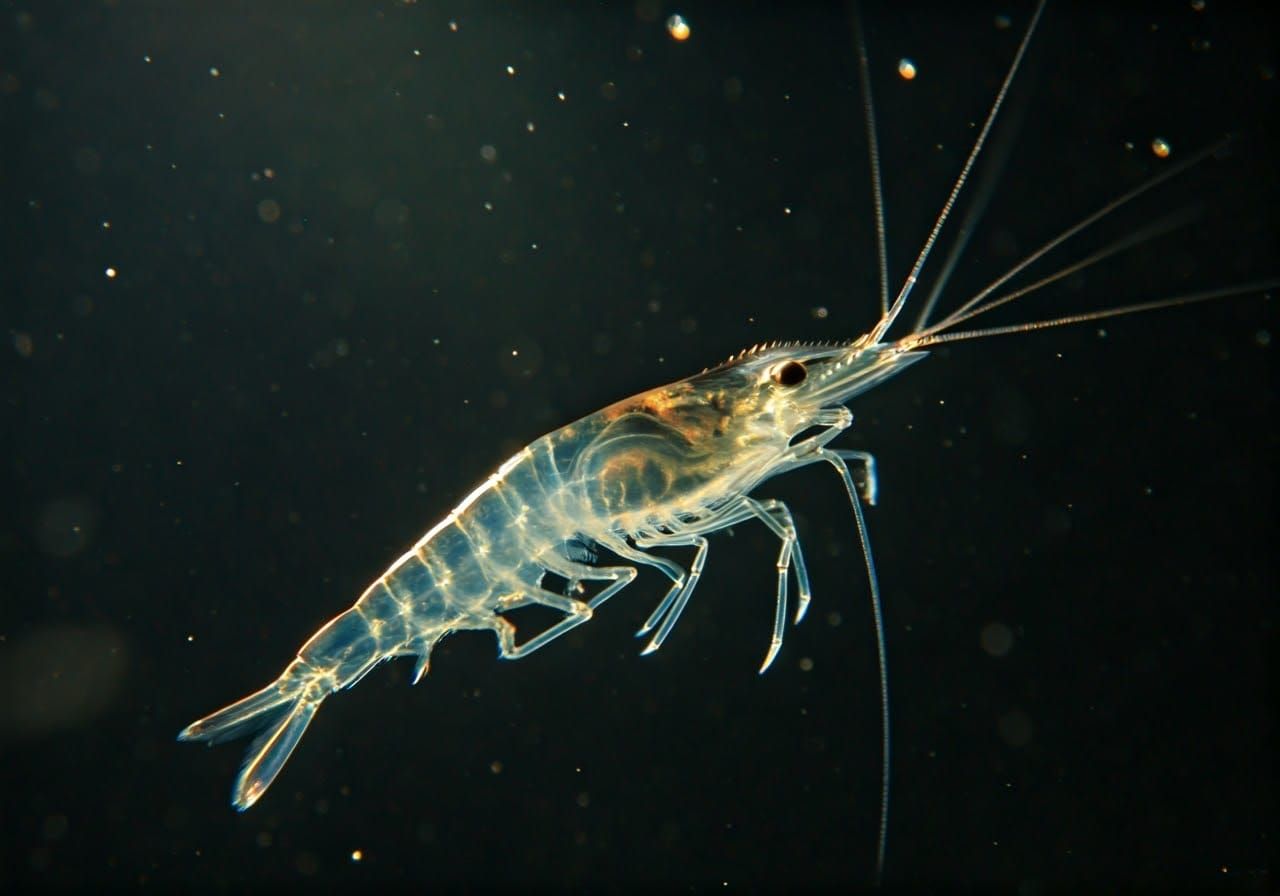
x: 678, y: 28
x: 111, y: 273
x: 906, y: 69
x: 1161, y: 148
x: 1015, y: 728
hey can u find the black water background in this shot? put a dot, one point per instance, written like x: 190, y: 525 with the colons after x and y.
x: 210, y: 453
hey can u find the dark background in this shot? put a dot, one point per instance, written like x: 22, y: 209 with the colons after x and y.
x: 305, y: 359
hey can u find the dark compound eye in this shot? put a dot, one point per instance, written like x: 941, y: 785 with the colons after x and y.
x: 790, y: 374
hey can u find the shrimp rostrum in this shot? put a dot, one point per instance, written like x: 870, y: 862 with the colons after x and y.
x: 664, y: 468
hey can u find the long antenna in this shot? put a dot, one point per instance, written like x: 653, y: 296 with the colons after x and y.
x: 837, y: 459
x: 873, y: 152
x: 1240, y: 289
x: 988, y: 180
x: 1144, y: 187
x: 1137, y: 238
x: 887, y: 320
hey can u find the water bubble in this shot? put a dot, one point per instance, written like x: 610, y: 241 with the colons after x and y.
x: 269, y: 211
x: 60, y: 677
x: 1015, y: 728
x: 996, y: 638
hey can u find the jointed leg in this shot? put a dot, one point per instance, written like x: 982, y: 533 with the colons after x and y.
x: 774, y: 514
x: 675, y: 573
x: 576, y: 611
x: 619, y: 577
x: 677, y: 604
x: 777, y: 516
x: 679, y: 594
x: 781, y: 515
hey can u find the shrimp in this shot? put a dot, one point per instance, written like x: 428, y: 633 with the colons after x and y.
x: 665, y: 468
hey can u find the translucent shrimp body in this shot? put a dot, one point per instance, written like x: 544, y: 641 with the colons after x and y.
x: 666, y: 467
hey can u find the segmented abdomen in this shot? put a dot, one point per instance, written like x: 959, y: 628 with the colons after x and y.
x: 488, y: 547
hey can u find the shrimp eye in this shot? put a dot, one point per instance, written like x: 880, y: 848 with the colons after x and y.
x: 790, y: 374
